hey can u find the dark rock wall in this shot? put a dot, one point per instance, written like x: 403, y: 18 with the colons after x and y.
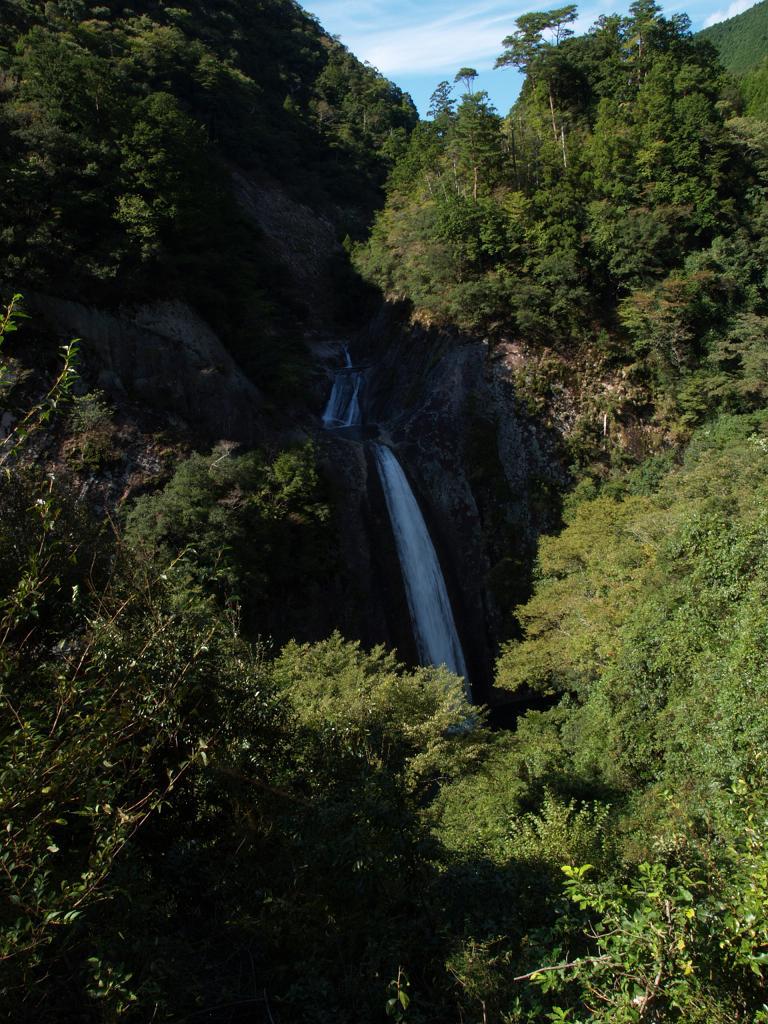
x: 164, y: 357
x: 486, y: 476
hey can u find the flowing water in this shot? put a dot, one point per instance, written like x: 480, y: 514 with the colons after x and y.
x: 431, y: 615
x: 434, y: 628
x: 343, y: 408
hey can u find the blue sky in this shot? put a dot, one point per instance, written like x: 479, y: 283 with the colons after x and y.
x: 417, y: 44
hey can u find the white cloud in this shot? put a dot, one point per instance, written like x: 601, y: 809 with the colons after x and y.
x: 418, y: 42
x: 399, y: 39
x: 737, y: 7
x: 434, y: 47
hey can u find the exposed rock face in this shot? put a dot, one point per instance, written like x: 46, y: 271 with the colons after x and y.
x: 481, y: 470
x: 367, y: 602
x: 163, y: 356
x: 300, y: 239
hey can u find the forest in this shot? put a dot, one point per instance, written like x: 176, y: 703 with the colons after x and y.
x: 740, y: 41
x: 210, y: 813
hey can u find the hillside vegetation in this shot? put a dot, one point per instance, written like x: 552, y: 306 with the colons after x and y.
x: 616, y: 214
x: 742, y: 45
x: 741, y: 41
x: 205, y: 819
x: 119, y: 129
x: 196, y: 822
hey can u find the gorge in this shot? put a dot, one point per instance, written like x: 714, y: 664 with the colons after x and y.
x: 327, y: 431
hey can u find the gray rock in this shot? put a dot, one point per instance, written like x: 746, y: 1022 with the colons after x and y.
x: 483, y: 472
x: 164, y: 356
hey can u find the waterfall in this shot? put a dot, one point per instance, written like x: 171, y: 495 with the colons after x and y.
x: 432, y: 619
x: 343, y: 408
x: 352, y: 416
x: 431, y: 615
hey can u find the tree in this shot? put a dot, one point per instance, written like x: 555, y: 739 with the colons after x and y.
x: 441, y: 102
x: 238, y: 526
x: 527, y: 50
x: 525, y: 47
x: 644, y: 21
x: 467, y: 76
x: 476, y: 139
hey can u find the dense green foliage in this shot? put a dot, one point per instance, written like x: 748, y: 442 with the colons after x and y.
x: 742, y: 45
x: 741, y: 41
x: 201, y: 825
x: 648, y: 624
x: 193, y: 825
x: 754, y: 87
x: 244, y: 528
x: 185, y: 820
x: 617, y: 215
x: 649, y: 612
x: 119, y: 130
x: 200, y: 815
x: 309, y: 837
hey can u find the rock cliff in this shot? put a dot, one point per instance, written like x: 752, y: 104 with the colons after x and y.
x: 165, y: 357
x: 486, y: 476
x: 484, y: 472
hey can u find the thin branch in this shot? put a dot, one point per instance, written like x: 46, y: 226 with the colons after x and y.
x: 565, y: 967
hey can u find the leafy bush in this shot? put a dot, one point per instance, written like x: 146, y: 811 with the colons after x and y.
x: 90, y: 420
x: 244, y: 528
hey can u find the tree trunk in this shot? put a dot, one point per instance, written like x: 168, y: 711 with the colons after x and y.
x: 552, y: 108
x: 514, y: 157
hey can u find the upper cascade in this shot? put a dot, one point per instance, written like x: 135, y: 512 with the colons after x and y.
x: 343, y: 408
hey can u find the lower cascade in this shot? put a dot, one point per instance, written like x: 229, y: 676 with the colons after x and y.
x: 428, y: 602
x: 429, y: 606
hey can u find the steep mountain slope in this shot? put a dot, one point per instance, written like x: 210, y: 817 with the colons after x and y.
x: 205, y: 819
x: 741, y: 41
x: 120, y: 131
x: 612, y: 222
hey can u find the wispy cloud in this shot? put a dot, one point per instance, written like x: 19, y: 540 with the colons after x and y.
x: 419, y: 38
x: 418, y: 42
x: 737, y: 7
x: 436, y: 46
x: 408, y: 38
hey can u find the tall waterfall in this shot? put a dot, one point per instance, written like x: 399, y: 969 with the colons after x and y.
x: 434, y: 628
x: 428, y: 602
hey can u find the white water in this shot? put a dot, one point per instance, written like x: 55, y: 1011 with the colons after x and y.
x: 431, y: 615
x: 343, y: 408
x: 432, y: 619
